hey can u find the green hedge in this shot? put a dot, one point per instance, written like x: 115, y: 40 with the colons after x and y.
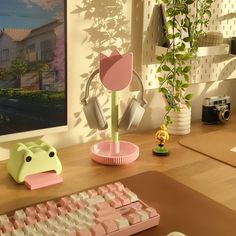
x: 32, y: 95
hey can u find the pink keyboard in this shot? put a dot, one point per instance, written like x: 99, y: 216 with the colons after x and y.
x: 112, y: 210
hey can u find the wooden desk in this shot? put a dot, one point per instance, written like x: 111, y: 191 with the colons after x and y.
x: 208, y: 176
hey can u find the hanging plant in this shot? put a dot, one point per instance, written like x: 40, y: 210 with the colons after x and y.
x: 183, y: 29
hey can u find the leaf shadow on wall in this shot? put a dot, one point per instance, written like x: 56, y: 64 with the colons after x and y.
x: 108, y: 30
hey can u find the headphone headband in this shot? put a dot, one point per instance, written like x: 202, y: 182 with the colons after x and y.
x: 84, y: 99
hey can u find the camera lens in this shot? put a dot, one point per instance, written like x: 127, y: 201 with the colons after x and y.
x: 224, y: 115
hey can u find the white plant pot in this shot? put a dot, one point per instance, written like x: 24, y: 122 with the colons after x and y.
x: 181, y: 122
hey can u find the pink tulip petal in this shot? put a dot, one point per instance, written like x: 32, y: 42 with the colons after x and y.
x: 115, y: 55
x: 116, y: 76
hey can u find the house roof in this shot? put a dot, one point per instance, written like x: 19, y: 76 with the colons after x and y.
x: 16, y: 34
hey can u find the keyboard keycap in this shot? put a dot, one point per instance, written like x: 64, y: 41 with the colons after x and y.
x: 111, y: 209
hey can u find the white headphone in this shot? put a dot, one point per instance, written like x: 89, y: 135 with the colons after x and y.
x: 94, y: 114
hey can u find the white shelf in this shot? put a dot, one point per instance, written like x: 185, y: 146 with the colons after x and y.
x: 222, y: 49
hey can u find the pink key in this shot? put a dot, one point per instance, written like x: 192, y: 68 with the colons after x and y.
x: 97, y: 230
x: 41, y: 217
x: 109, y: 226
x: 124, y: 200
x: 65, y: 201
x: 114, y: 216
x: 151, y: 212
x: 84, y: 232
x: 7, y: 227
x: 61, y: 210
x: 92, y: 192
x: 51, y: 205
x: 71, y: 207
x: 101, y: 205
x: 102, y: 190
x: 104, y: 212
x: 136, y: 206
x: 81, y: 204
x: 115, y: 203
x: 30, y: 220
x: 30, y: 211
x: 41, y: 208
x: 133, y: 218
x: 51, y: 213
x: 117, y: 193
x: 119, y: 186
x: 18, y: 224
x: 111, y: 187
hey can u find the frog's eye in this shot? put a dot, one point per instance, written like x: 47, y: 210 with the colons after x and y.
x: 28, y: 158
x: 51, y: 154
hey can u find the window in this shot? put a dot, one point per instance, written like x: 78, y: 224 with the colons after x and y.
x: 5, y: 55
x: 46, y: 50
x: 31, y: 53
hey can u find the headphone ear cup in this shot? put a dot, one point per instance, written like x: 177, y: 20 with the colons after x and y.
x: 94, y: 114
x: 132, y: 116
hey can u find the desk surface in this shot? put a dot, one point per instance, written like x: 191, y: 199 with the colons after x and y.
x: 203, y: 174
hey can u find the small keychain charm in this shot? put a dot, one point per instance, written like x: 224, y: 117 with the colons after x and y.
x: 162, y: 136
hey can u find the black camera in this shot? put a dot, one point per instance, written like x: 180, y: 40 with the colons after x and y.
x: 216, y: 109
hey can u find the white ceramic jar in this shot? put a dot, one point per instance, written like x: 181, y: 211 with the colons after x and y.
x: 181, y: 122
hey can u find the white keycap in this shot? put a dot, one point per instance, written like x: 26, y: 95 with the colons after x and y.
x: 18, y: 232
x: 91, y: 209
x: 109, y: 196
x: 29, y: 229
x: 75, y: 198
x: 132, y: 196
x: 122, y: 222
x: 94, y: 200
x: 20, y: 215
x: 143, y: 215
x: 3, y: 219
x: 83, y: 195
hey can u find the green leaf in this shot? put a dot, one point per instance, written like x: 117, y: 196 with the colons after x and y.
x: 208, y: 12
x: 187, y: 104
x: 188, y: 96
x: 189, y: 1
x: 179, y: 70
x: 177, y: 35
x: 163, y: 90
x: 179, y: 56
x: 186, y: 69
x: 170, y: 36
x: 186, y: 77
x: 161, y: 79
x: 187, y: 39
x: 186, y: 56
x: 185, y: 86
x: 159, y: 69
x: 159, y: 58
x: 165, y: 68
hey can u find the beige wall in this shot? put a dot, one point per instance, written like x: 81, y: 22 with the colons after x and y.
x: 79, y: 64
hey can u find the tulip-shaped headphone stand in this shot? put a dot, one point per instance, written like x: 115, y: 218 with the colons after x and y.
x: 114, y: 152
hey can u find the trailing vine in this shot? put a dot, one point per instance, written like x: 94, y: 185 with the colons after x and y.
x: 186, y: 22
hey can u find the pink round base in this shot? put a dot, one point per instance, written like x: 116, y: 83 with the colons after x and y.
x: 102, y: 153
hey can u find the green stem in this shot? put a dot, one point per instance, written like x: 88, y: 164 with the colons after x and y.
x: 114, y: 117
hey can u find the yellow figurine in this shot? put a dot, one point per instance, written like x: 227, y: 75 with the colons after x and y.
x: 162, y: 136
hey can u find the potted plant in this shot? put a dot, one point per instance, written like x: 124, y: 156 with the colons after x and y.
x: 183, y: 29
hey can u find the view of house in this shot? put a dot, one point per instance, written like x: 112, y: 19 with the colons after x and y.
x: 33, y: 49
